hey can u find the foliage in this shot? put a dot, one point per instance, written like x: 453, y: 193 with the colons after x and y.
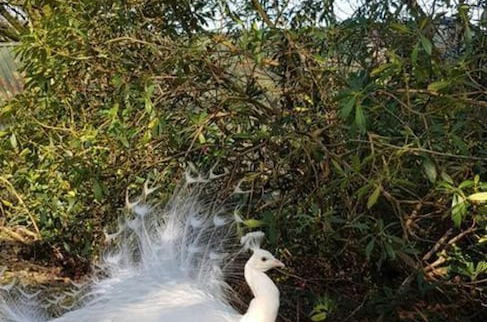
x: 321, y: 310
x: 363, y: 141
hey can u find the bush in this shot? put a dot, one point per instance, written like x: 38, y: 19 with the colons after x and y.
x: 363, y: 141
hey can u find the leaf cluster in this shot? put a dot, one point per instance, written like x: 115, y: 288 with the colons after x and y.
x: 362, y: 141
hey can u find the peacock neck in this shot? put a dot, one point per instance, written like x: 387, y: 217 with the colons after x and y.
x: 265, y: 304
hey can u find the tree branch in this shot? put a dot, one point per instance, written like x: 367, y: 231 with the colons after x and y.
x: 262, y: 13
x: 415, y: 8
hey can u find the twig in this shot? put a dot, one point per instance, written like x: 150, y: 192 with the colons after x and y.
x: 53, y: 127
x: 422, y: 150
x: 442, y: 258
x: 437, y: 262
x: 438, y: 244
x: 356, y: 309
x: 13, y: 234
x: 462, y: 234
x: 21, y: 201
x: 262, y: 13
x: 436, y: 94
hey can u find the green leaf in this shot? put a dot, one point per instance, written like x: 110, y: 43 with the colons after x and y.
x: 468, y: 34
x: 13, y: 141
x: 390, y: 251
x: 446, y: 177
x: 362, y: 191
x: 478, y: 197
x: 459, y: 209
x: 337, y: 167
x: 97, y: 191
x: 430, y: 169
x: 426, y: 43
x: 466, y: 184
x: 117, y: 81
x: 378, y: 70
x: 438, y: 85
x: 460, y: 144
x: 400, y: 27
x: 360, y: 118
x: 369, y: 248
x: 319, y: 317
x: 414, y: 54
x: 148, y: 105
x: 374, y: 196
x: 124, y: 141
x: 253, y: 223
x: 347, y: 107
x: 476, y: 179
x: 456, y: 217
x: 201, y: 138
x: 150, y: 90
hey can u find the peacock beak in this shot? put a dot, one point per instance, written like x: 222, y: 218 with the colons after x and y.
x: 278, y: 263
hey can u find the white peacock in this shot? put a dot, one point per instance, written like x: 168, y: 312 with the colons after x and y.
x: 168, y: 265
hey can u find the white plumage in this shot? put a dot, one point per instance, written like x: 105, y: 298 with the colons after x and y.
x: 167, y: 265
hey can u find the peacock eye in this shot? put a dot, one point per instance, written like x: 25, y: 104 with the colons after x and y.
x: 264, y: 259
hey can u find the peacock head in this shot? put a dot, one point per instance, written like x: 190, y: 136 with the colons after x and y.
x: 262, y: 260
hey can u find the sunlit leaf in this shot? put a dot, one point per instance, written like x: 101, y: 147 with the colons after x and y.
x: 319, y: 316
x: 13, y: 141
x: 253, y: 223
x: 480, y: 197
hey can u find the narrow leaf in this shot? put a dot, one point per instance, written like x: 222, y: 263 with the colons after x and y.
x: 390, y: 251
x: 426, y: 43
x: 360, y: 118
x: 13, y: 141
x: 459, y: 210
x: 446, y: 177
x: 319, y: 317
x: 478, y: 197
x: 347, y: 107
x: 430, y: 170
x: 400, y: 27
x: 436, y: 86
x: 369, y: 248
x: 253, y: 223
x: 414, y: 54
x: 374, y: 196
x: 97, y: 190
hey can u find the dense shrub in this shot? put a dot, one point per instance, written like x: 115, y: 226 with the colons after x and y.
x: 363, y: 142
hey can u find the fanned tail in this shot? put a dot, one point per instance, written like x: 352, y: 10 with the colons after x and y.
x: 191, y: 237
x: 160, y: 258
